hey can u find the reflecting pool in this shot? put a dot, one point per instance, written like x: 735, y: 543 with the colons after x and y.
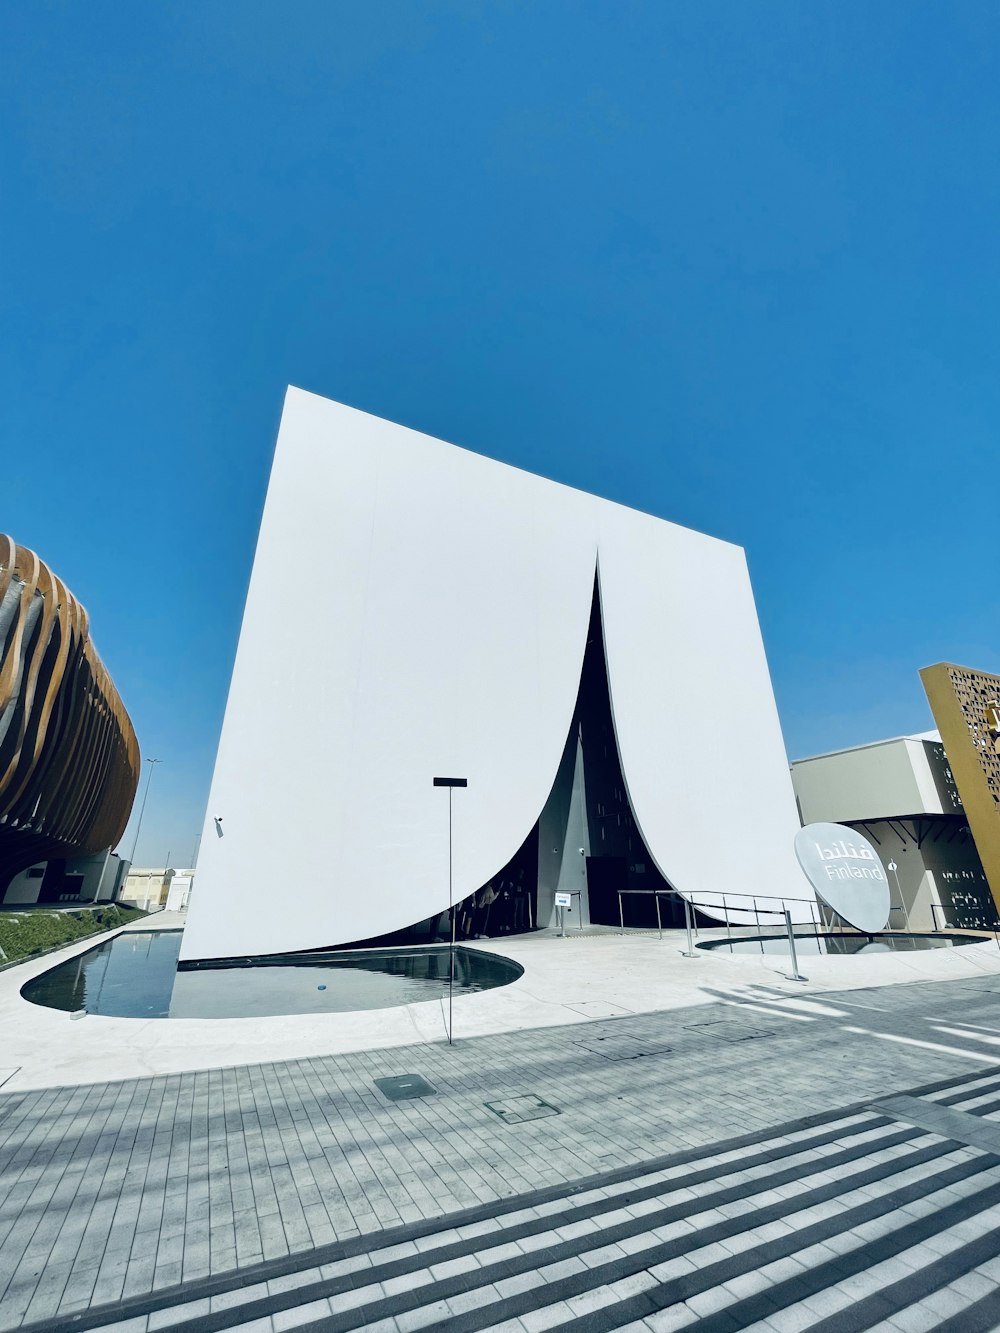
x: 135, y: 975
x: 838, y: 944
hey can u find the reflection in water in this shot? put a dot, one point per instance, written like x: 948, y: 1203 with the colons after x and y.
x: 838, y: 944
x: 135, y: 976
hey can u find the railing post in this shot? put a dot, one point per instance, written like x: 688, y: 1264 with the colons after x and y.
x: 687, y: 926
x: 796, y: 974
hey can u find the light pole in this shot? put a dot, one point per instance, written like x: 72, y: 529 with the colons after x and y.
x: 906, y: 915
x: 142, y: 808
x: 451, y: 784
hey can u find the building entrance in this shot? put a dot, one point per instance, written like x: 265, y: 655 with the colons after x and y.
x: 605, y: 876
x: 588, y: 837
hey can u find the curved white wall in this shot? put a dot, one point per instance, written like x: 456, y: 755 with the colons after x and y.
x: 697, y: 728
x: 418, y: 610
x: 414, y: 610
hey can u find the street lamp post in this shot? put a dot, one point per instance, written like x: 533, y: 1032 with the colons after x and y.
x: 142, y: 808
x: 451, y: 784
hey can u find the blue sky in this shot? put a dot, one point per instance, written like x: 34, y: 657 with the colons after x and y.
x: 733, y: 263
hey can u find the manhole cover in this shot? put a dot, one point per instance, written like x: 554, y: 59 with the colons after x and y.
x: 622, y: 1048
x: 514, y: 1110
x: 729, y: 1031
x: 402, y: 1087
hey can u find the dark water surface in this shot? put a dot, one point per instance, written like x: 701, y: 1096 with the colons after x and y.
x: 842, y: 944
x: 135, y: 975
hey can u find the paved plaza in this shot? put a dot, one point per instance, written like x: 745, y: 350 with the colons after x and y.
x: 586, y: 975
x: 761, y: 1159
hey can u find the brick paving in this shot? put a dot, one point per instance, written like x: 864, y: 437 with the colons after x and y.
x: 129, y: 1196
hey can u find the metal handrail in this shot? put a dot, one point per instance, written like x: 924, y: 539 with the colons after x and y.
x: 689, y: 903
x: 649, y: 893
x: 783, y: 911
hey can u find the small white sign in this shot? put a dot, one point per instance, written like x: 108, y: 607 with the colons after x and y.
x: 564, y: 900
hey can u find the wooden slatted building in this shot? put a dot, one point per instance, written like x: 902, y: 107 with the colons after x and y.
x: 69, y: 758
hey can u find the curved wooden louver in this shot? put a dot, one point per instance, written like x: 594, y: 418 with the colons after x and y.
x: 69, y: 759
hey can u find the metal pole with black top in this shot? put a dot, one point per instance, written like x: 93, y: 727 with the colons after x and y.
x: 451, y: 784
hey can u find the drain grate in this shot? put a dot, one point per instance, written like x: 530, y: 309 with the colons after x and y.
x: 622, y: 1047
x: 404, y: 1087
x: 515, y: 1110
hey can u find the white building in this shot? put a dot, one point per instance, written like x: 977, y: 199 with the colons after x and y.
x: 160, y: 886
x: 900, y: 793
x: 415, y: 611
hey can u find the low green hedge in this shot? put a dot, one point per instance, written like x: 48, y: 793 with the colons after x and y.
x: 25, y: 933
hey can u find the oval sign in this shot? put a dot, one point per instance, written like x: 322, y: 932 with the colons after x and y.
x: 845, y: 870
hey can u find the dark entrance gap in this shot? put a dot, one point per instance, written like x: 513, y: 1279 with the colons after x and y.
x: 591, y: 777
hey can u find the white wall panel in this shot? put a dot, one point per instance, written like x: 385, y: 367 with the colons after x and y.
x: 414, y: 610
x: 879, y: 781
x: 697, y: 727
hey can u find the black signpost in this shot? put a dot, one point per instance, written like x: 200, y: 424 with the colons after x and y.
x: 451, y: 784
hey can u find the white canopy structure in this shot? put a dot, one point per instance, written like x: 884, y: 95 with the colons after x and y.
x: 418, y: 610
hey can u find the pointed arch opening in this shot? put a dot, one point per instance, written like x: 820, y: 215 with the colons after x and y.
x: 589, y: 840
